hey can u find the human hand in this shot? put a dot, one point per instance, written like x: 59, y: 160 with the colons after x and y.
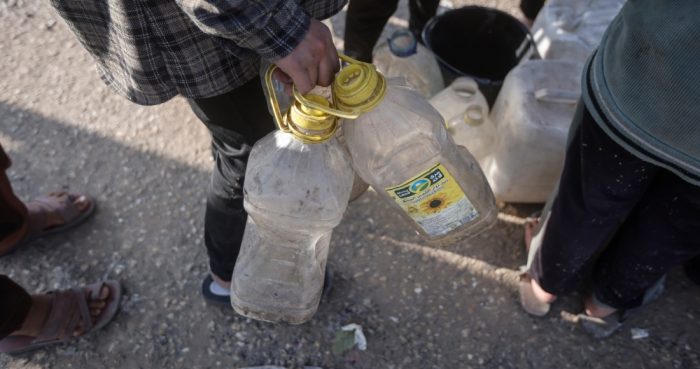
x: 313, y: 62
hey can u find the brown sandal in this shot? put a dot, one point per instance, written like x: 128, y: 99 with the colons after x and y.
x: 61, y: 203
x: 68, y: 309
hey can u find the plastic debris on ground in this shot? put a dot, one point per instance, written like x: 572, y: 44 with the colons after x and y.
x: 638, y: 333
x: 348, y: 337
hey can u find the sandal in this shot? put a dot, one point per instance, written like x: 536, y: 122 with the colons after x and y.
x: 68, y: 309
x: 600, y: 328
x: 62, y: 204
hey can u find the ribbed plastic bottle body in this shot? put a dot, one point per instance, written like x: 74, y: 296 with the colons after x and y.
x: 402, y: 149
x: 421, y: 70
x: 295, y: 194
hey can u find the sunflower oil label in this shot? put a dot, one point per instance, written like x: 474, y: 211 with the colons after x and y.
x: 435, y: 201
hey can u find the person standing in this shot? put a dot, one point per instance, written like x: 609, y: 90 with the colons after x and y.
x: 210, y: 52
x: 628, y: 203
x: 28, y: 322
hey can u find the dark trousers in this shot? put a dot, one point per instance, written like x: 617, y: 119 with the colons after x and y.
x: 366, y: 19
x: 14, y: 300
x: 236, y: 120
x: 617, y: 222
x: 14, y: 306
x: 531, y: 7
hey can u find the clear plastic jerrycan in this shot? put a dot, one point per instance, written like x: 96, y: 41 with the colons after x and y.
x: 399, y: 145
x: 466, y: 114
x: 403, y: 56
x: 532, y: 115
x: 572, y: 29
x: 297, y: 187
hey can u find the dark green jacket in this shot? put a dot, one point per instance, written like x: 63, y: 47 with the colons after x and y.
x: 643, y: 84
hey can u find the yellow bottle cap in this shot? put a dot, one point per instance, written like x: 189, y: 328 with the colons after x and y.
x: 309, y: 124
x: 359, y: 88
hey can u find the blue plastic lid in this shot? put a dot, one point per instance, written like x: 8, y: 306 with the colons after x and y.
x: 403, y: 43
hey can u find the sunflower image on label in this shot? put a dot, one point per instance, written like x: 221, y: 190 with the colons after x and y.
x: 435, y: 201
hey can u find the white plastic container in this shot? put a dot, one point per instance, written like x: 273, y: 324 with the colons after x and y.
x: 466, y: 114
x: 532, y: 115
x: 297, y: 187
x: 403, y: 56
x: 572, y: 29
x: 400, y: 146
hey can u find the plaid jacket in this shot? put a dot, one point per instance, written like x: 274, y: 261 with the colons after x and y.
x: 152, y: 50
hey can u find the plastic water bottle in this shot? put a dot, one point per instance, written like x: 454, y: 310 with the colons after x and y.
x: 297, y: 186
x: 403, y: 56
x: 466, y: 114
x: 399, y: 145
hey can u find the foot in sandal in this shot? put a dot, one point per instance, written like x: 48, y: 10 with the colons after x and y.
x: 59, y: 316
x: 54, y: 213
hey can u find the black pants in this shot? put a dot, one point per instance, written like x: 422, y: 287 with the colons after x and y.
x: 14, y: 225
x: 236, y: 120
x: 531, y: 7
x: 618, y: 222
x: 14, y: 306
x: 366, y: 19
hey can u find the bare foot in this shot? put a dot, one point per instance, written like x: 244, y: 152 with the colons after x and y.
x: 596, y: 310
x: 41, y: 306
x: 530, y: 226
x: 540, y: 294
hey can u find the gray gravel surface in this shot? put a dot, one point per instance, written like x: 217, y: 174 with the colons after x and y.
x: 149, y: 168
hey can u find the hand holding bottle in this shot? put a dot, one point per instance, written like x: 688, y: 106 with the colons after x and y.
x: 313, y: 62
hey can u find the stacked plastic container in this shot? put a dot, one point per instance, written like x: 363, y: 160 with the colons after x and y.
x: 533, y: 113
x: 466, y: 114
x: 536, y: 105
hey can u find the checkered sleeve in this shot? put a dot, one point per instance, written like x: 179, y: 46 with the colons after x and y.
x: 271, y: 28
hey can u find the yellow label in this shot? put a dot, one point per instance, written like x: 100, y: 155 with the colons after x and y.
x: 435, y: 201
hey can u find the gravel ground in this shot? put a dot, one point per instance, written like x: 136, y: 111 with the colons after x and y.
x: 149, y: 167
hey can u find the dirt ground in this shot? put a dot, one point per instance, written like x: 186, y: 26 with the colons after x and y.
x: 149, y: 168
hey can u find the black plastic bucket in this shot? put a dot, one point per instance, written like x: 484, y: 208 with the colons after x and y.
x: 482, y: 43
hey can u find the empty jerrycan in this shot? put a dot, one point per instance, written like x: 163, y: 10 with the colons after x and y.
x: 466, y: 114
x: 297, y: 186
x: 400, y: 146
x: 532, y: 115
x: 402, y: 56
x: 572, y: 29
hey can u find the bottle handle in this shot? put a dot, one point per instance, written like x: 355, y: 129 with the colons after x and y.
x: 303, y: 100
x: 274, y: 102
x: 282, y: 123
